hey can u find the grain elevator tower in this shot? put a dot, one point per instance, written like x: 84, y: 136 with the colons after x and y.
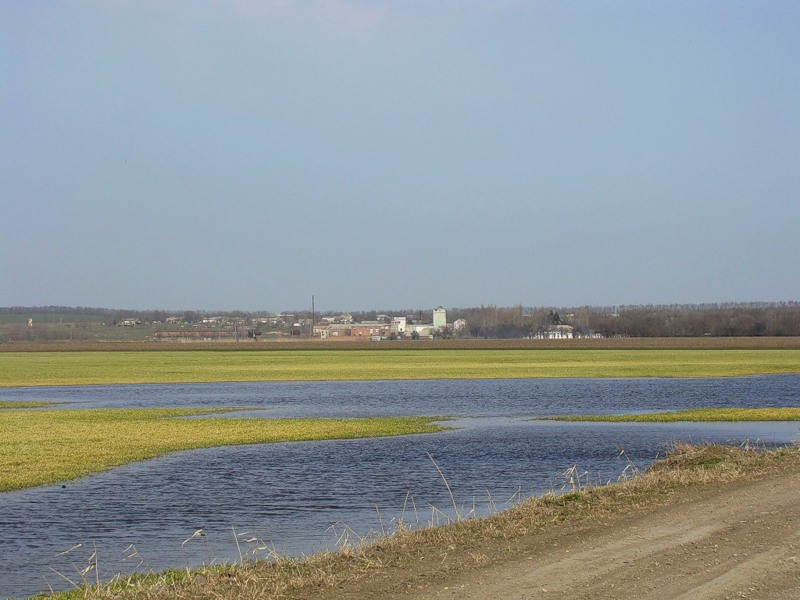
x: 439, y: 318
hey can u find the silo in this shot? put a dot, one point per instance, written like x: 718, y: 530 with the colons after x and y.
x: 439, y: 318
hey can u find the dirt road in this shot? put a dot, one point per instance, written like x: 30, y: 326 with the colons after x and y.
x: 742, y: 542
x: 735, y: 540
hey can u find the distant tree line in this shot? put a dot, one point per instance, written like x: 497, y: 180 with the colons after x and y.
x: 44, y: 310
x: 113, y: 315
x: 718, y: 320
x: 50, y: 333
x: 487, y: 321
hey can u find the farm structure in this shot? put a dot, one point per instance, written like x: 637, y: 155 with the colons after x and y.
x: 387, y: 328
x: 193, y: 335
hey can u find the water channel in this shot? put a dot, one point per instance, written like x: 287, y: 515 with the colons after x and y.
x: 299, y: 498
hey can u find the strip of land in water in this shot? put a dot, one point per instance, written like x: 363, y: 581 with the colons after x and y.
x: 706, y: 415
x: 41, y: 447
x: 384, y: 362
x: 4, y: 404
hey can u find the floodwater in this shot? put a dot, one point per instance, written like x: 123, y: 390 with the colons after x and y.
x: 299, y: 498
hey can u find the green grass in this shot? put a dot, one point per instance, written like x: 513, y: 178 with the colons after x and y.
x: 24, y: 404
x: 48, y: 446
x: 65, y: 368
x: 697, y: 415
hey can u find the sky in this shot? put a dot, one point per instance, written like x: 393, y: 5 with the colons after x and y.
x: 246, y: 155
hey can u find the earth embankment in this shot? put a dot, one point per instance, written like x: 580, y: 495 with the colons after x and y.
x: 707, y: 523
x: 718, y: 540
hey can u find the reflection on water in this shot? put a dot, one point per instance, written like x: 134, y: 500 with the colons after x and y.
x: 288, y: 496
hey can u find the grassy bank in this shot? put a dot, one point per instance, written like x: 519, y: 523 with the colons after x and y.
x: 695, y: 415
x: 40, y: 447
x: 409, y: 557
x: 82, y: 368
x: 30, y: 404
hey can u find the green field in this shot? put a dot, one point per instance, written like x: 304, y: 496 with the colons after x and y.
x: 92, y: 367
x: 694, y: 415
x: 40, y: 447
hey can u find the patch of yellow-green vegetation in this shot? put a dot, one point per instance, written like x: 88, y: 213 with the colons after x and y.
x: 47, y: 446
x: 698, y: 414
x: 140, y: 581
x: 81, y: 368
x: 24, y: 404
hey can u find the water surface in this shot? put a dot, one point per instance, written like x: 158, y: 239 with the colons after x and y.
x: 297, y: 498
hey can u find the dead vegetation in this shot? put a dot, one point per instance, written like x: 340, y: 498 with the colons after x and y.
x: 406, y: 559
x: 622, y: 343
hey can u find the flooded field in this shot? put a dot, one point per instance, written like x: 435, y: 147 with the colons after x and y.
x: 296, y: 498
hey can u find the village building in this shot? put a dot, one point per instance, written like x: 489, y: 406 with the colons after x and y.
x: 386, y: 328
x: 556, y: 332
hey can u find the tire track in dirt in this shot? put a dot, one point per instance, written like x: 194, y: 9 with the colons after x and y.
x: 739, y: 541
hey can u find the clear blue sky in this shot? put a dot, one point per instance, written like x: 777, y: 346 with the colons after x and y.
x: 247, y: 154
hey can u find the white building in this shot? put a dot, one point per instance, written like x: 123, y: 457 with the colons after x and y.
x: 400, y: 324
x: 439, y: 318
x: 423, y: 330
x: 557, y: 332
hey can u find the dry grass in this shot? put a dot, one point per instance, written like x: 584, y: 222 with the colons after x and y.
x: 674, y: 343
x: 464, y: 543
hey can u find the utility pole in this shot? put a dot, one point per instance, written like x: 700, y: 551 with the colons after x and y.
x: 312, y: 316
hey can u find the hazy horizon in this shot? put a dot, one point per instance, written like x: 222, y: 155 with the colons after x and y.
x: 396, y: 309
x: 243, y: 155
